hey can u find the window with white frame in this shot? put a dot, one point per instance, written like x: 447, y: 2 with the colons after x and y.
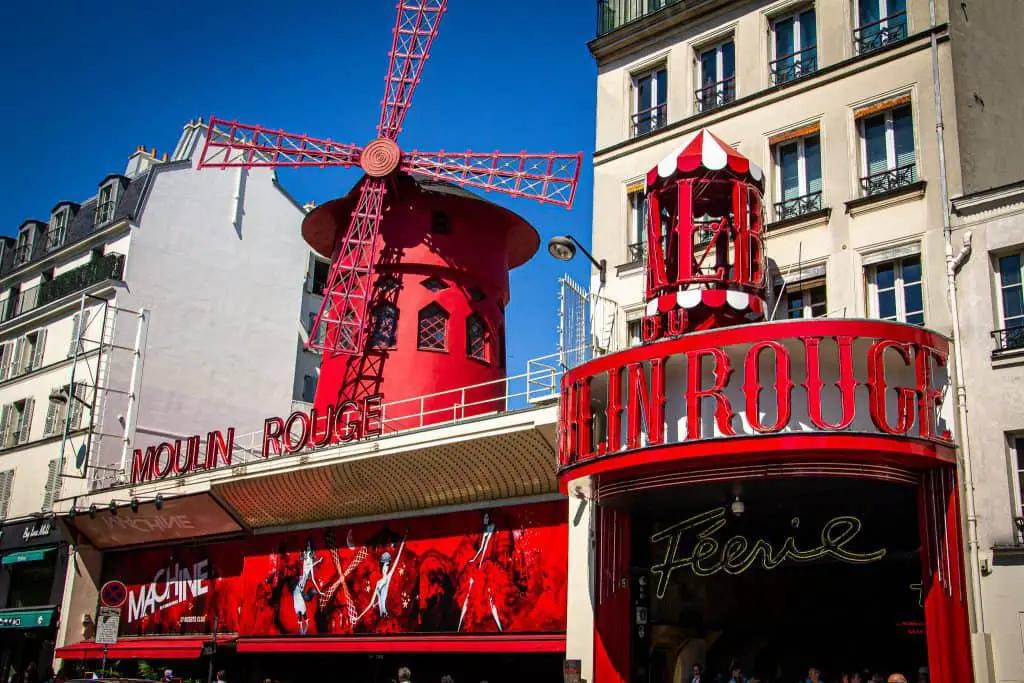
x: 1017, y: 467
x: 794, y: 46
x: 650, y: 100
x: 895, y: 290
x: 54, y: 483
x: 716, y: 74
x: 637, y: 223
x: 797, y: 176
x: 65, y: 407
x: 879, y: 23
x: 634, y: 332
x: 16, y: 422
x: 105, y: 203
x: 1011, y: 300
x: 888, y: 159
x: 23, y: 247
x: 6, y: 491
x: 58, y: 229
x: 805, y: 300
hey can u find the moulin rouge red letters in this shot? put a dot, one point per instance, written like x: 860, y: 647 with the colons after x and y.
x: 639, y: 388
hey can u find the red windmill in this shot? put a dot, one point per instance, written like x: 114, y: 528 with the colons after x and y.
x: 355, y: 239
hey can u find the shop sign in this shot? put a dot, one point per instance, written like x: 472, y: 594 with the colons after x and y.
x: 28, y: 534
x: 694, y: 545
x: 108, y: 624
x: 707, y: 386
x: 26, y: 618
x: 348, y: 421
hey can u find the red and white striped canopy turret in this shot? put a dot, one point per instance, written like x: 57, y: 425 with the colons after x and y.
x: 703, y: 153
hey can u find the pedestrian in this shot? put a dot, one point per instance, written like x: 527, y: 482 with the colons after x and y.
x: 698, y: 674
x: 222, y: 676
x: 168, y: 676
x: 404, y: 675
x: 736, y: 675
x: 447, y: 679
x: 813, y: 675
x: 897, y: 678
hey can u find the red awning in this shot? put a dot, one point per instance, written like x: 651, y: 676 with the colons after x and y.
x: 166, y: 647
x: 703, y: 152
x: 380, y: 644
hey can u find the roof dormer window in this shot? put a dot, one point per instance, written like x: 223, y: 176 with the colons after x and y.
x: 23, y: 247
x: 106, y: 202
x: 57, y: 231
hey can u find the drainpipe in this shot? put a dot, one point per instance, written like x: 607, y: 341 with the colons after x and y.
x: 953, y: 264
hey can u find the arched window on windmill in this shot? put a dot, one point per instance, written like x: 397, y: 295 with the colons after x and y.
x: 478, y: 340
x: 432, y: 330
x: 385, y: 326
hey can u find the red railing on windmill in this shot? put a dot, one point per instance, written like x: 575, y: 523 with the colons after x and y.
x: 417, y: 287
x: 705, y: 262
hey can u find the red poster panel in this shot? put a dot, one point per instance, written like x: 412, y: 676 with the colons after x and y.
x: 483, y: 571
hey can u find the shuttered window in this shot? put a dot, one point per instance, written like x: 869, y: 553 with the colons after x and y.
x: 23, y: 421
x: 80, y: 322
x: 6, y: 357
x: 6, y: 490
x: 53, y: 485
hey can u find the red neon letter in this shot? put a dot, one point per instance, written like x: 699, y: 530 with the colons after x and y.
x: 694, y: 394
x: 584, y: 420
x: 877, y: 386
x: 321, y: 437
x: 373, y: 411
x: 930, y: 397
x: 346, y: 421
x: 300, y: 442
x: 143, y: 467
x: 847, y: 384
x: 167, y: 449
x: 646, y: 401
x: 752, y: 386
x: 613, y: 414
x: 217, y: 448
x: 272, y: 429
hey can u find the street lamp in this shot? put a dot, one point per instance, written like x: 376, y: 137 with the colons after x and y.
x: 564, y: 249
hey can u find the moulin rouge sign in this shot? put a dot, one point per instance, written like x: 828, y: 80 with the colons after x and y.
x: 807, y: 376
x: 348, y: 421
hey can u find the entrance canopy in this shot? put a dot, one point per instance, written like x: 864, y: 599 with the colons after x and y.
x: 165, y: 647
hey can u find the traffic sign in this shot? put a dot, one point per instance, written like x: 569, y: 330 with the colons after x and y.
x: 113, y: 594
x: 107, y: 625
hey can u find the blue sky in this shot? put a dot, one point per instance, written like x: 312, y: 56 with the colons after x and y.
x: 85, y: 83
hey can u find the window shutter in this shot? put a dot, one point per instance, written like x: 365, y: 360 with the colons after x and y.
x: 6, y: 487
x: 76, y: 406
x: 5, y: 360
x: 50, y: 492
x: 18, y: 366
x: 74, y: 335
x: 5, y: 425
x: 49, y: 426
x: 79, y: 324
x: 37, y: 357
x: 25, y: 425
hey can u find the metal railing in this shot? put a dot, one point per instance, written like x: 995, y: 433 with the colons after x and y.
x: 22, y: 253
x: 613, y: 14
x: 55, y: 237
x: 793, y: 66
x: 107, y: 267
x: 105, y: 212
x: 878, y: 34
x: 715, y: 94
x: 798, y: 206
x: 650, y: 119
x: 889, y: 180
x: 1009, y: 339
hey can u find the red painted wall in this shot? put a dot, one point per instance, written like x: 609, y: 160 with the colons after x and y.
x: 484, y: 241
x: 272, y: 585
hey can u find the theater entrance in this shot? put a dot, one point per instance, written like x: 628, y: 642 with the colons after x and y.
x: 774, y: 577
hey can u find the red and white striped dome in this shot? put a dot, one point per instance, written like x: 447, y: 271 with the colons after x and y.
x: 703, y: 152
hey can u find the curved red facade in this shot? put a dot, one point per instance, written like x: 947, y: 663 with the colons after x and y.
x: 437, y: 322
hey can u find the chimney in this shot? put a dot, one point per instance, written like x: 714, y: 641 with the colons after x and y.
x: 189, y: 140
x: 140, y: 161
x: 309, y: 206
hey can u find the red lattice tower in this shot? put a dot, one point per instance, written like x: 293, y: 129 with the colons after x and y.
x: 548, y: 178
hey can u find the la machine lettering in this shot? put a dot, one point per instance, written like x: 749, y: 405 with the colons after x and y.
x: 170, y: 586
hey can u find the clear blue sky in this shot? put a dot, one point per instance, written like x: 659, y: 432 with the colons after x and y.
x: 85, y: 83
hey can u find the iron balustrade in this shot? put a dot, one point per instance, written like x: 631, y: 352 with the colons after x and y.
x: 650, y: 119
x: 889, y: 180
x: 613, y: 14
x: 878, y: 34
x: 798, y: 206
x: 715, y: 94
x: 107, y: 267
x: 1010, y: 339
x: 793, y: 66
x: 105, y: 212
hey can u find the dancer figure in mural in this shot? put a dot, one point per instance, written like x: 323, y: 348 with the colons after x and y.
x: 339, y: 587
x: 479, y: 567
x: 299, y: 595
x: 380, y: 591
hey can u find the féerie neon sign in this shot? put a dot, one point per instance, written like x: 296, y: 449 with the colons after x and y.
x: 708, y: 555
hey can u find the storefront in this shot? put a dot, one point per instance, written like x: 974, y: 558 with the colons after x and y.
x: 769, y: 496
x: 33, y: 562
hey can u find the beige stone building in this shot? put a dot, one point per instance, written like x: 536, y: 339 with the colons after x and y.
x: 886, y: 129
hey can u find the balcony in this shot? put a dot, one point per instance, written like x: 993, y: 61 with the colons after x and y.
x: 650, y: 120
x: 878, y: 34
x: 793, y: 66
x: 798, y: 206
x: 889, y: 181
x: 1010, y: 339
x: 715, y: 95
x: 108, y: 267
x: 613, y: 14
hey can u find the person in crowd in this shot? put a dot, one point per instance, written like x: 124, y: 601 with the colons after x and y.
x: 922, y: 675
x: 897, y: 678
x: 404, y: 675
x: 222, y: 676
x: 736, y: 675
x: 30, y: 675
x: 168, y: 676
x: 698, y: 674
x: 856, y: 677
x: 813, y: 675
x: 447, y: 679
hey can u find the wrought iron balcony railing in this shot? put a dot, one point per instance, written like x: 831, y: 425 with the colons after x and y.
x: 878, y: 34
x: 1010, y: 339
x: 612, y: 14
x: 887, y: 181
x: 650, y: 119
x: 715, y: 94
x: 796, y: 65
x: 798, y: 206
x: 108, y: 267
